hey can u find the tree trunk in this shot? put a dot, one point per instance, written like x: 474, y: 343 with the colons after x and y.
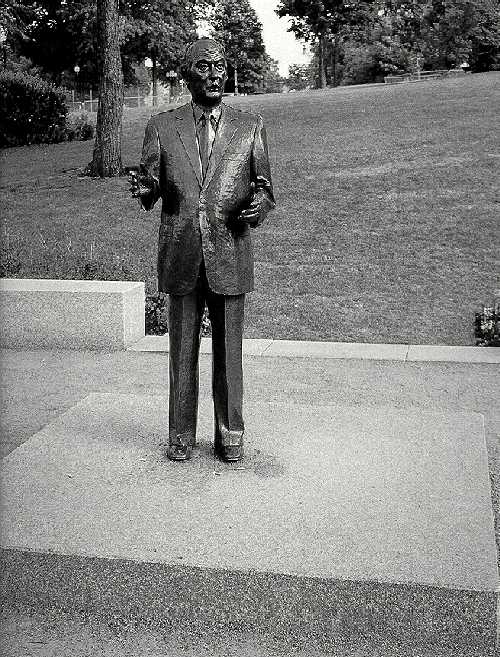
x: 236, y: 91
x: 107, y: 161
x: 334, y: 61
x: 321, y: 61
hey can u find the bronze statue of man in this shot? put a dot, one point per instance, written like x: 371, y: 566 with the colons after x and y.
x: 209, y: 164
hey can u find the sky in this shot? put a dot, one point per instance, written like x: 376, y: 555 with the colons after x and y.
x: 280, y: 44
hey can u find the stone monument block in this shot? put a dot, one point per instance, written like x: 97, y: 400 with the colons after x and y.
x: 66, y: 314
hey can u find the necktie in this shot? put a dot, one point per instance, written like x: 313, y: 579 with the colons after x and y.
x: 204, y: 142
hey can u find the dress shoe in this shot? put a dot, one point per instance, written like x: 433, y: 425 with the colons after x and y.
x: 229, y: 453
x: 179, y: 452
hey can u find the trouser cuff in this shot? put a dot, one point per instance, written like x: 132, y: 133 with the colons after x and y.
x: 184, y: 439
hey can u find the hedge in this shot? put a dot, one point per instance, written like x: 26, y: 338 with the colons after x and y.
x: 32, y: 111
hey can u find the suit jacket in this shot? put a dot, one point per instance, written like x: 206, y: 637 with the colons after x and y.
x: 198, y: 218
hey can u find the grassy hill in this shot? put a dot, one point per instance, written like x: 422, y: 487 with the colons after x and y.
x: 387, y: 227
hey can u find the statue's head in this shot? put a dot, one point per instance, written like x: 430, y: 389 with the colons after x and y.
x: 205, y: 71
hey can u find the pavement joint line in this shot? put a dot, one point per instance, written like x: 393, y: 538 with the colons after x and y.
x: 351, y: 350
x: 268, y: 347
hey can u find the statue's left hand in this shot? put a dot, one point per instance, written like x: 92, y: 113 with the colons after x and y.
x: 252, y: 214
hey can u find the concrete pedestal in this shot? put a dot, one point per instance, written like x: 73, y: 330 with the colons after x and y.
x: 339, y: 519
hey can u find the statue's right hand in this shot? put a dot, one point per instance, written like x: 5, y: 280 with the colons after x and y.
x: 133, y: 180
x: 138, y: 184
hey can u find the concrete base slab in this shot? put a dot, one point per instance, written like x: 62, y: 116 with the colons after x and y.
x: 446, y: 354
x: 160, y: 343
x: 363, y: 351
x: 327, y: 499
x: 341, y: 350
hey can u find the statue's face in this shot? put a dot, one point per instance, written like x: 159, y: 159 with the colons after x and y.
x: 207, y: 74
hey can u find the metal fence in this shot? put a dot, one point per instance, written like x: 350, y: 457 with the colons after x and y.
x: 89, y: 103
x: 419, y: 76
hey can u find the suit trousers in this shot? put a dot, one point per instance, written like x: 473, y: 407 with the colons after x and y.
x: 226, y: 314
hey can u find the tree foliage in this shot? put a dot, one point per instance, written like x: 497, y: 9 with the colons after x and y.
x: 300, y: 76
x: 159, y: 30
x: 321, y: 21
x: 60, y: 34
x: 272, y: 80
x: 462, y: 30
x: 362, y: 41
x: 446, y: 33
x: 63, y: 33
x: 236, y: 25
x: 15, y: 17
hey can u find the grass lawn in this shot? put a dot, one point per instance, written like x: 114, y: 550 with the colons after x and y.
x: 387, y: 226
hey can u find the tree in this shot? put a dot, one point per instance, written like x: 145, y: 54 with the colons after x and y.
x: 159, y: 30
x: 60, y: 34
x: 370, y: 51
x: 445, y: 33
x: 309, y: 21
x: 15, y: 17
x: 300, y: 76
x: 272, y: 80
x: 455, y: 31
x: 107, y: 159
x: 236, y: 25
x: 322, y: 20
x: 484, y: 52
x: 64, y: 33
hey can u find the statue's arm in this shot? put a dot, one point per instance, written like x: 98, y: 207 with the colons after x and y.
x: 262, y: 186
x: 261, y: 172
x: 149, y: 170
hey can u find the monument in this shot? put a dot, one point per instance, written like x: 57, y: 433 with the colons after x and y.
x: 209, y: 165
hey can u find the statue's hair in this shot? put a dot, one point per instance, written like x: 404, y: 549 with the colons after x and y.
x: 188, y: 54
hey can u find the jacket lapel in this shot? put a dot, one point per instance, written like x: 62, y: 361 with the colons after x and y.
x: 225, y: 133
x: 187, y: 135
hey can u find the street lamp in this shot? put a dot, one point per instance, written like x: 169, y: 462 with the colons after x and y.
x: 76, y: 69
x: 171, y: 77
x: 150, y: 62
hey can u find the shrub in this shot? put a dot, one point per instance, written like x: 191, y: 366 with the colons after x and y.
x: 487, y: 326
x: 156, y: 314
x: 32, y: 111
x: 360, y: 66
x: 372, y: 62
x: 79, y: 128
